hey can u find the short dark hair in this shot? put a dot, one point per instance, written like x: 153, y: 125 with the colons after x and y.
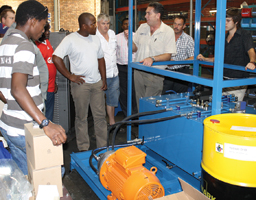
x: 84, y: 18
x: 181, y: 17
x: 158, y: 8
x: 235, y: 14
x: 4, y: 13
x: 30, y: 9
x: 46, y: 28
x: 124, y: 20
x: 4, y: 7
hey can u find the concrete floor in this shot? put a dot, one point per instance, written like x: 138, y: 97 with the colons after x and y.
x: 74, y: 183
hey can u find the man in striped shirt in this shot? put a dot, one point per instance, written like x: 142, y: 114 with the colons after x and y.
x: 19, y: 82
x: 185, y: 51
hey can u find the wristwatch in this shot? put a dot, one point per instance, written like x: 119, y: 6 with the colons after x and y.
x: 153, y: 59
x: 44, y: 123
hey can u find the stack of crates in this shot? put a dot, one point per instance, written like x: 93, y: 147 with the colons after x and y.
x: 249, y: 17
x: 249, y: 20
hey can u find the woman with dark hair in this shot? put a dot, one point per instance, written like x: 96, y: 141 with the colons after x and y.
x: 46, y: 49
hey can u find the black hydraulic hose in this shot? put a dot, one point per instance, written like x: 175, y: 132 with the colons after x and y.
x: 94, y: 152
x: 91, y: 165
x: 139, y: 122
x: 124, y: 121
x: 131, y: 117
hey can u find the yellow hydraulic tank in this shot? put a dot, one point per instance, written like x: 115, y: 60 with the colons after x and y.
x: 229, y: 157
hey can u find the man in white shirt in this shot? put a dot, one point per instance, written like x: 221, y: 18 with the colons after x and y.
x: 88, y: 79
x: 122, y: 64
x: 153, y: 41
x: 108, y: 42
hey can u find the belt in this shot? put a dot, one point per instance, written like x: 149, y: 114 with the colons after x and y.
x: 177, y: 69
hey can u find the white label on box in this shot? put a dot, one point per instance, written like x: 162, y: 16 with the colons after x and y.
x: 238, y: 152
x: 243, y: 128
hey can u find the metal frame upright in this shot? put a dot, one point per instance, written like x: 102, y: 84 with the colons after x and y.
x: 217, y: 83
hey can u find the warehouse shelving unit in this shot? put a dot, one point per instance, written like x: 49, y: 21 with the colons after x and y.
x: 120, y: 11
x: 217, y: 83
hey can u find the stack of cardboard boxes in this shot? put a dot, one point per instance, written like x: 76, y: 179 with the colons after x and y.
x: 43, y: 158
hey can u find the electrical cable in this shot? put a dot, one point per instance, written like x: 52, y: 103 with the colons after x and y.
x: 169, y: 91
x: 139, y: 122
x: 124, y: 121
x: 133, y: 116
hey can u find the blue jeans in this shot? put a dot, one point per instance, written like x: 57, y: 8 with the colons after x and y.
x: 113, y: 92
x: 17, y: 146
x: 49, y: 105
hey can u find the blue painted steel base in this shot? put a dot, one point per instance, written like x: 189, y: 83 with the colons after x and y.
x: 173, y: 146
x: 168, y: 177
x: 80, y: 162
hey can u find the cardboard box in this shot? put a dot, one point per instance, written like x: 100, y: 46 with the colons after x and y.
x: 40, y: 151
x: 188, y: 193
x: 47, y: 176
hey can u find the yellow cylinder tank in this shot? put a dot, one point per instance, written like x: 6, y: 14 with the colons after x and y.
x: 229, y: 148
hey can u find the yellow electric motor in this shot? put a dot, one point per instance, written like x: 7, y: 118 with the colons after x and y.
x: 229, y: 157
x: 122, y: 173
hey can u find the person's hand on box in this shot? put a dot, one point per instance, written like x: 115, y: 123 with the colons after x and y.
x: 56, y: 133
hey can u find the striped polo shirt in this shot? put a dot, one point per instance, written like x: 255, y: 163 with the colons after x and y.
x: 17, y: 55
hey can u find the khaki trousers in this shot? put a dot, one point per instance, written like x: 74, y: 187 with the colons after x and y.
x: 147, y: 84
x: 84, y: 95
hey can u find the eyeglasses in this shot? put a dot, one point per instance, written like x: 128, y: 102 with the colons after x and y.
x: 45, y: 10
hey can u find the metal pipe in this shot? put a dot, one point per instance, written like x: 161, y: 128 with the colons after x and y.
x: 129, y: 88
x: 135, y: 15
x: 56, y: 21
x: 114, y: 15
x: 191, y: 18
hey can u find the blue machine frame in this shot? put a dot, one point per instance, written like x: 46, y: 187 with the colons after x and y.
x: 217, y: 83
x: 165, y: 160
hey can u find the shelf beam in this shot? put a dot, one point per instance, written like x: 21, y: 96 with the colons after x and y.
x: 170, y: 21
x: 122, y: 9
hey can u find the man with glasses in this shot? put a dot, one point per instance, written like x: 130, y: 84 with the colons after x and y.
x: 7, y: 17
x: 4, y: 28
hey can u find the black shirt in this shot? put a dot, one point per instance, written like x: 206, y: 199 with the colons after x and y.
x: 236, y: 52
